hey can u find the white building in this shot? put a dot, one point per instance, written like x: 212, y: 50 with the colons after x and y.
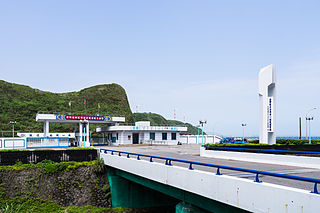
x: 141, y: 133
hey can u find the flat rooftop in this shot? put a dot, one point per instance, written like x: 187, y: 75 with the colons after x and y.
x: 61, y: 118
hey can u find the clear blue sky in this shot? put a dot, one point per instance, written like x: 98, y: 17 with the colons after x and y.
x: 201, y: 58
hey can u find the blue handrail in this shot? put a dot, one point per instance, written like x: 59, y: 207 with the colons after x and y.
x: 168, y: 161
x: 259, y: 150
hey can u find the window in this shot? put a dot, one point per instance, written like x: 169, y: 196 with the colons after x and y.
x: 164, y: 136
x: 129, y: 137
x: 117, y: 136
x: 174, y: 136
x: 152, y: 136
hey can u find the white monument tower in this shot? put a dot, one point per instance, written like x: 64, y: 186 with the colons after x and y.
x: 267, y: 93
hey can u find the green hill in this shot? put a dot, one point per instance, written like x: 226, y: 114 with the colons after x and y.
x: 21, y: 103
x: 156, y: 119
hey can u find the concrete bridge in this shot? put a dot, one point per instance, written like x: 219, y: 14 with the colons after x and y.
x: 147, y: 180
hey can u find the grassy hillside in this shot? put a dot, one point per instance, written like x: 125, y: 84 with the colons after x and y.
x: 21, y: 103
x: 156, y: 119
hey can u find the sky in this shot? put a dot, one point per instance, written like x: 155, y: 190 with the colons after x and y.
x: 200, y: 59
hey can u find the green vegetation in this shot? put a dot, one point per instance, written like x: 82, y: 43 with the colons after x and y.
x: 51, y: 167
x: 50, y: 187
x: 36, y: 205
x: 296, y: 142
x: 21, y: 103
x: 156, y: 119
x: 235, y: 144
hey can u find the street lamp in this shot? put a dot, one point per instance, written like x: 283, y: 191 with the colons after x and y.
x: 307, y: 116
x: 309, y: 119
x: 13, y: 123
x: 201, y: 123
x: 243, y: 126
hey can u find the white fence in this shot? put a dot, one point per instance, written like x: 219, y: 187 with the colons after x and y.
x: 33, y: 143
x: 197, y: 139
x: 12, y: 143
x: 47, y: 142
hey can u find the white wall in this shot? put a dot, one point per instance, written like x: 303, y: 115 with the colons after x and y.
x: 197, y: 139
x: 239, y: 192
x: 144, y: 136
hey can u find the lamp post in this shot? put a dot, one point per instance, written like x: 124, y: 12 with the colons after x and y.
x: 201, y: 122
x: 307, y: 116
x: 13, y: 123
x: 243, y: 126
x: 309, y: 119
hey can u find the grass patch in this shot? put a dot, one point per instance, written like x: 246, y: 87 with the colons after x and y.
x: 51, y: 167
x: 36, y: 205
x: 235, y: 144
x: 80, y: 149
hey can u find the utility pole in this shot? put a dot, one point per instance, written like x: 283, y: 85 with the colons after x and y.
x: 307, y: 116
x: 309, y: 119
x: 243, y: 126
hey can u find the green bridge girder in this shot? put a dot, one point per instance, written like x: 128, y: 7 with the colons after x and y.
x: 132, y: 191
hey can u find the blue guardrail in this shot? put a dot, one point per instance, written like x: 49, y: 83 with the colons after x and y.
x: 277, y: 151
x: 168, y: 162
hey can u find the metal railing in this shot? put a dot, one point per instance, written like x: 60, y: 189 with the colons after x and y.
x: 168, y: 162
x: 260, y: 150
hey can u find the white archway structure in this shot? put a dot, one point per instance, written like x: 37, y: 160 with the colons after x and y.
x: 267, y: 93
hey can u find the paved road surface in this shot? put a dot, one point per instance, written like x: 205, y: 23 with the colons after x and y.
x: 192, y: 153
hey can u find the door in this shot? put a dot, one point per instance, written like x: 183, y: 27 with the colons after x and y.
x: 135, y: 138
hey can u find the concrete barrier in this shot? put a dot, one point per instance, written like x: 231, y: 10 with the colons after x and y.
x: 238, y: 192
x: 289, y: 160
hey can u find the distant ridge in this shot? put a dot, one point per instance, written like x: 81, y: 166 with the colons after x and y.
x: 21, y: 103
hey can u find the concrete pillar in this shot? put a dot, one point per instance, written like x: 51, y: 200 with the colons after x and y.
x: 80, y: 134
x: 88, y: 136
x: 125, y: 193
x: 104, y: 137
x: 46, y: 128
x: 267, y: 93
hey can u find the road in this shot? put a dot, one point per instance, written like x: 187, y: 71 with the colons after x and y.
x: 192, y: 153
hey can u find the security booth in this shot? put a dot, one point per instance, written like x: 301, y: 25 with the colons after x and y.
x: 81, y: 122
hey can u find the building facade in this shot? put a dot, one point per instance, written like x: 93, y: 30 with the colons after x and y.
x: 141, y: 133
